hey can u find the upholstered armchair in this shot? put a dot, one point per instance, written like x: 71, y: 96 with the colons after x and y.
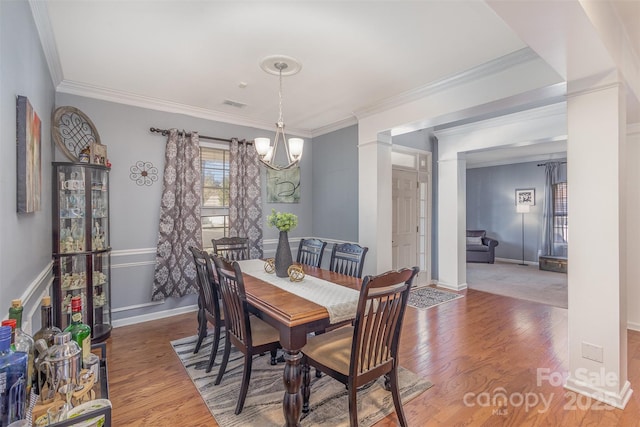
x: 480, y: 248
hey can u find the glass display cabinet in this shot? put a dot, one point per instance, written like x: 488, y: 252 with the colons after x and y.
x: 81, y: 247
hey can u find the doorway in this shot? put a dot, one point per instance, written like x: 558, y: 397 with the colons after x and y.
x: 411, y: 211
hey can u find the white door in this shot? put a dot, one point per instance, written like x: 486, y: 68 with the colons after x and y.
x: 405, y: 218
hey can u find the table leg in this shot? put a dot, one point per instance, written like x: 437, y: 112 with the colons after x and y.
x: 292, y: 401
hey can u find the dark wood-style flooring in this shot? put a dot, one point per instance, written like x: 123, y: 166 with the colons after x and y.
x: 474, y: 349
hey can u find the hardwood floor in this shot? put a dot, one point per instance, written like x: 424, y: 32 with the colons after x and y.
x: 482, y: 353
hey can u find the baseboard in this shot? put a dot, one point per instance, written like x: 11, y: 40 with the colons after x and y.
x: 617, y: 400
x: 633, y: 326
x: 154, y: 316
x: 517, y: 261
x: 450, y: 286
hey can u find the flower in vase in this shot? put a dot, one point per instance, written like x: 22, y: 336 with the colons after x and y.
x: 283, y: 221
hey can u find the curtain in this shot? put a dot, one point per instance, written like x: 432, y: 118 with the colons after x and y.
x: 245, y: 195
x: 551, y: 177
x: 180, y: 224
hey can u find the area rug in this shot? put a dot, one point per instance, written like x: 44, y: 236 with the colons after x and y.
x: 426, y: 297
x: 263, y: 407
x: 517, y: 281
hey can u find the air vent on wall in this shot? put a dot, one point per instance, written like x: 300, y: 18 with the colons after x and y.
x: 234, y: 103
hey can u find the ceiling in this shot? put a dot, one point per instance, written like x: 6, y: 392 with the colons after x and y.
x: 195, y: 55
x: 354, y: 54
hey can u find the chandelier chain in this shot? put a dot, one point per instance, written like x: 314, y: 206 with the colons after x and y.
x: 280, y: 118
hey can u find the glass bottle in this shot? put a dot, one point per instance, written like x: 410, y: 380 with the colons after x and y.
x: 80, y: 332
x: 47, y: 331
x: 21, y: 341
x: 13, y: 371
x: 15, y: 312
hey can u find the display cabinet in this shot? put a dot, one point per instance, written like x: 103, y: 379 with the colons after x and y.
x: 81, y: 247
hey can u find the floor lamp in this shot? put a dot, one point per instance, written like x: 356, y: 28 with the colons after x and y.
x: 522, y: 209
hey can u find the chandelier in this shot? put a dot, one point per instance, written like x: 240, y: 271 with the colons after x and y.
x: 293, y: 147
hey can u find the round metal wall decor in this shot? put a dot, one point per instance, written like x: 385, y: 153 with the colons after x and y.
x: 73, y: 131
x: 143, y: 173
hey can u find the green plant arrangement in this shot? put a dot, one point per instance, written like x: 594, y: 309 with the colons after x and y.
x: 283, y: 221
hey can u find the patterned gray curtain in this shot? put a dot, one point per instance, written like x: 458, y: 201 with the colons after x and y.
x: 245, y: 195
x: 180, y: 224
x: 551, y: 177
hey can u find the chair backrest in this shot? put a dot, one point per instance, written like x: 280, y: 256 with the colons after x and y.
x: 207, y: 280
x: 234, y: 301
x: 348, y: 258
x: 231, y: 248
x: 381, y: 306
x: 310, y: 252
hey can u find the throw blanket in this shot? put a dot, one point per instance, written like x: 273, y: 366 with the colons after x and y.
x: 340, y: 302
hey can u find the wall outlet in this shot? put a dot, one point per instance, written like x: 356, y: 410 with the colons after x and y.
x: 592, y: 352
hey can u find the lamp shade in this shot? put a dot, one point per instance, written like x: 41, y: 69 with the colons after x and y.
x: 522, y: 208
x: 262, y: 145
x: 295, y: 147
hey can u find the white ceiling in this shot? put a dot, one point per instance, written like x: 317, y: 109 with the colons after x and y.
x: 194, y: 55
x: 354, y: 54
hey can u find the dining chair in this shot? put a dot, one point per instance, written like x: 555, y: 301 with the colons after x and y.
x: 310, y: 252
x: 356, y: 355
x: 208, y: 302
x: 231, y: 248
x: 348, y: 258
x: 249, y: 334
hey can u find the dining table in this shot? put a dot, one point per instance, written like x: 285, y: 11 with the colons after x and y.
x: 295, y: 316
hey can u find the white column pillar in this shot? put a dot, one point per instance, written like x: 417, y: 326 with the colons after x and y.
x: 597, y: 252
x: 452, y: 221
x: 374, y: 203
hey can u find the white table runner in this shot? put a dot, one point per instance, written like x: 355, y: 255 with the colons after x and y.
x: 341, y: 302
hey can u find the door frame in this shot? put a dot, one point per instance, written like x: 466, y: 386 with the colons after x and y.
x: 423, y: 165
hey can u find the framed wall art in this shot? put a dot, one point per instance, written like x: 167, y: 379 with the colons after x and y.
x: 97, y: 154
x: 526, y: 197
x: 29, y: 171
x: 283, y: 186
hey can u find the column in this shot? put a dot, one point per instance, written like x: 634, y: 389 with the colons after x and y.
x: 374, y: 203
x: 452, y: 221
x: 596, y: 177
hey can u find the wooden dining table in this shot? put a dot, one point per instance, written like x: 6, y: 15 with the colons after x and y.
x: 294, y: 317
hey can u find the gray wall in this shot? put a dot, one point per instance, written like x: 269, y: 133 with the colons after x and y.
x: 25, y: 239
x: 335, y: 185
x: 135, y: 209
x: 491, y: 207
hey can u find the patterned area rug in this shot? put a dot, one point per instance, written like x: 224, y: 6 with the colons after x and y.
x: 263, y: 406
x: 427, y: 297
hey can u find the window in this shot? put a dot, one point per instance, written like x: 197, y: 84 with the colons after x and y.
x: 560, y: 213
x: 214, y: 161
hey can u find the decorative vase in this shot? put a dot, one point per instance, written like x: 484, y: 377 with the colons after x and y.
x: 283, y: 255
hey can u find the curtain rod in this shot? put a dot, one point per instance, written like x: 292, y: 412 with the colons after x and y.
x: 165, y: 132
x: 545, y: 164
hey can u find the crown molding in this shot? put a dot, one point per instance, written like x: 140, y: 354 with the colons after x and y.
x: 340, y: 124
x: 488, y: 68
x: 40, y: 14
x: 120, y: 97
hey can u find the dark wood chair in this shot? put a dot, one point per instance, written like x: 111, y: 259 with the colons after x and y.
x: 231, y: 248
x: 208, y: 301
x: 310, y: 252
x: 249, y: 334
x: 356, y: 355
x: 348, y: 258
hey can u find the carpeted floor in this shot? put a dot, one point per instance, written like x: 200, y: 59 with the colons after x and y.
x: 426, y: 297
x: 263, y: 406
x: 517, y: 281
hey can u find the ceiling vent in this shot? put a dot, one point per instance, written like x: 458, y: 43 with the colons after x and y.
x: 235, y: 104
